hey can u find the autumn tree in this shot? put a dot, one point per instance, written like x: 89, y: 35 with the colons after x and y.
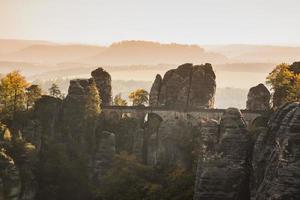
x: 93, y: 101
x: 119, y: 101
x: 12, y: 93
x: 55, y: 91
x: 33, y: 93
x: 139, y: 97
x: 285, y: 83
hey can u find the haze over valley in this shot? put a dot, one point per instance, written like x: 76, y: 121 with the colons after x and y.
x: 238, y: 67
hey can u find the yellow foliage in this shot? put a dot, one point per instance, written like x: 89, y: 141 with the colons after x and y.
x: 285, y: 84
x: 139, y: 97
x: 12, y: 92
x: 7, y: 135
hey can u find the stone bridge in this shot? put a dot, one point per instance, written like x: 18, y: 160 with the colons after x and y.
x: 169, y: 114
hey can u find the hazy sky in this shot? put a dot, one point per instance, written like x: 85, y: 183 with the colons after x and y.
x: 181, y: 21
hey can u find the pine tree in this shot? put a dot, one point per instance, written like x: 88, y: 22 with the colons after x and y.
x: 55, y: 91
x: 33, y: 93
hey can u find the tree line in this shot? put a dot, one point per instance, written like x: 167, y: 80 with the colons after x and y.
x: 17, y: 94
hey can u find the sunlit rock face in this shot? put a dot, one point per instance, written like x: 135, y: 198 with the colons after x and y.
x: 258, y: 98
x: 223, y: 173
x: 188, y: 86
x: 103, y: 82
x: 276, y: 156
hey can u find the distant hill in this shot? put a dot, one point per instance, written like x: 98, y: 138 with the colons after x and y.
x: 121, y: 53
x: 150, y: 53
x: 257, y: 53
x: 50, y: 53
x: 8, y: 46
x: 37, y: 57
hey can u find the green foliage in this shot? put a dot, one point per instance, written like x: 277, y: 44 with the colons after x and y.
x: 139, y: 97
x: 129, y: 179
x: 55, y: 91
x: 93, y: 101
x: 285, y: 85
x: 33, y: 93
x: 61, y: 176
x: 178, y: 184
x: 119, y: 101
x: 12, y: 93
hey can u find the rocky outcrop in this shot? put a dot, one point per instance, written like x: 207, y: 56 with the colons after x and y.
x: 77, y: 126
x: 188, y: 86
x: 103, y: 82
x: 105, y: 151
x: 46, y: 121
x: 10, y: 180
x: 155, y: 90
x: 258, y: 98
x: 224, y: 173
x: 276, y: 156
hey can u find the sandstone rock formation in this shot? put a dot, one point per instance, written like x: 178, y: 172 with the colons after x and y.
x: 224, y: 173
x: 10, y: 180
x: 103, y: 82
x: 188, y: 86
x: 105, y: 151
x: 276, y: 156
x: 258, y: 98
x: 232, y: 163
x: 45, y: 122
x: 155, y: 90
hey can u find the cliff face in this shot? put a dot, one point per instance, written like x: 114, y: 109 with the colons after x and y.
x: 223, y: 172
x: 10, y: 180
x: 276, y: 160
x: 188, y: 86
x: 267, y: 170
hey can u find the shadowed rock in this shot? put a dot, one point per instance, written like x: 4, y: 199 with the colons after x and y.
x: 10, y: 180
x: 258, y: 98
x: 188, y: 86
x: 155, y: 90
x: 224, y: 174
x: 105, y: 151
x: 276, y: 156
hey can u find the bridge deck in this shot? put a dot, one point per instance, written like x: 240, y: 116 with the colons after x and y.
x: 153, y: 109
